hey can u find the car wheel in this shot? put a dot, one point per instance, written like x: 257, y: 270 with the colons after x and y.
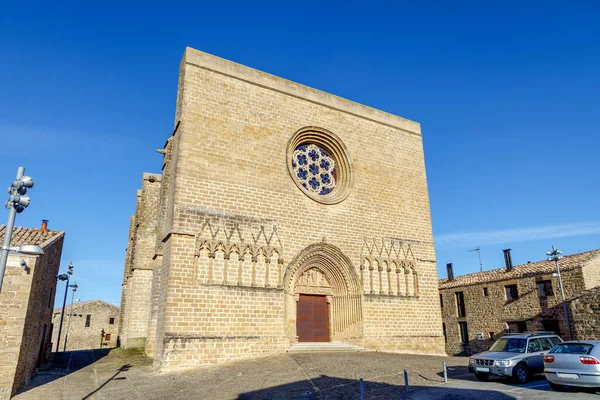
x: 520, y: 374
x: 554, y: 386
x: 482, y: 377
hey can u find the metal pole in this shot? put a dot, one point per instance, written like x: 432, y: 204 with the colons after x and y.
x: 362, y: 389
x: 12, y: 213
x: 62, y: 315
x: 562, y: 292
x: 70, y: 313
x: 406, y: 381
x: 445, y: 372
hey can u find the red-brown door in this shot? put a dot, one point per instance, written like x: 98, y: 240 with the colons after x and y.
x: 312, y: 319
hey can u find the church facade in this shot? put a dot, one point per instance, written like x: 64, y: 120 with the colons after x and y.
x: 282, y: 214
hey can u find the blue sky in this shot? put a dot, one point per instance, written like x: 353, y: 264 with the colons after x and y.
x: 506, y: 93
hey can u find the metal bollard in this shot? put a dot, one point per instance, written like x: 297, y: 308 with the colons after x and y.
x: 406, y: 381
x: 445, y: 372
x: 362, y: 389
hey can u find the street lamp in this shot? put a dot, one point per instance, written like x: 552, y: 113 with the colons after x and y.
x: 74, y: 286
x: 63, y: 277
x: 16, y: 203
x: 555, y: 255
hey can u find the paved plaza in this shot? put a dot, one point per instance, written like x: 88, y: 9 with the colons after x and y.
x: 123, y: 374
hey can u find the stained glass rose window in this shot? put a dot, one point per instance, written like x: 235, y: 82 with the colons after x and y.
x: 315, y: 168
x: 319, y: 165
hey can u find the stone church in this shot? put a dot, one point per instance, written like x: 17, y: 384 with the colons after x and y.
x: 282, y: 214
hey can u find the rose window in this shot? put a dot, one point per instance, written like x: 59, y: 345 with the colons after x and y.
x: 315, y: 168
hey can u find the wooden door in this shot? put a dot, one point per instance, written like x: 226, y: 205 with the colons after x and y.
x: 312, y: 319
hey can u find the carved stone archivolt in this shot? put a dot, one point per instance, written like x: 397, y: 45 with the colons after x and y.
x: 232, y: 251
x: 388, y: 267
x: 322, y: 269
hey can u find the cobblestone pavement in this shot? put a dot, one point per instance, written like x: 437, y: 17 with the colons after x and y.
x: 123, y: 374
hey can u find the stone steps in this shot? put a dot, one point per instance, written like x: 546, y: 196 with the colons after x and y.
x: 313, y: 347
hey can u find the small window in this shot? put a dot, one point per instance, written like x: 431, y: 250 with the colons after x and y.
x: 50, y: 299
x: 445, y: 337
x: 88, y: 320
x: 491, y: 335
x: 485, y: 292
x: 522, y: 326
x: 545, y: 288
x: 107, y: 337
x: 512, y: 293
x: 441, y: 301
x: 460, y: 304
x: 464, y: 332
x: 111, y: 321
x: 550, y: 325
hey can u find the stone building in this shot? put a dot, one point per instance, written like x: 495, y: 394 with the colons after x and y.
x: 283, y: 214
x: 94, y: 324
x: 478, y: 307
x: 26, y: 303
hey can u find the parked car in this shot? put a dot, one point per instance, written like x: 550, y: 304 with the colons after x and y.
x: 515, y: 355
x: 573, y: 363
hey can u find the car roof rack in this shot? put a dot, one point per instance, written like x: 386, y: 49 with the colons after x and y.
x: 530, y: 334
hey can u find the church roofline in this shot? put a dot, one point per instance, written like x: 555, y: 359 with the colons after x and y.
x: 257, y: 77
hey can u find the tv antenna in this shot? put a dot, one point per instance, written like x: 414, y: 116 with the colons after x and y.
x: 478, y: 250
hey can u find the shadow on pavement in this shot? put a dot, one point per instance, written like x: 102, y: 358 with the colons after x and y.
x: 123, y: 368
x: 62, y: 364
x: 347, y: 389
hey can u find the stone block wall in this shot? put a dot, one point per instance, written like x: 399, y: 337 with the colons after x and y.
x: 585, y: 314
x: 591, y: 274
x: 26, y: 304
x: 229, y: 169
x: 81, y: 336
x: 491, y: 313
x: 137, y: 284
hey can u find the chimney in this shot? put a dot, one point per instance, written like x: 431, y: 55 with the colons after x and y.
x: 450, y: 271
x: 507, y: 260
x: 44, y: 227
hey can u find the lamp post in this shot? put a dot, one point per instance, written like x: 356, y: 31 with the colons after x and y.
x: 554, y: 255
x: 74, y: 286
x: 16, y: 203
x: 63, y: 277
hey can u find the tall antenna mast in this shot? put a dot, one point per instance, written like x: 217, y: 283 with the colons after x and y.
x: 478, y: 250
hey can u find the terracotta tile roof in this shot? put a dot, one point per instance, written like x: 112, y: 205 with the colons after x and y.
x: 30, y: 236
x: 537, y: 268
x: 86, y: 302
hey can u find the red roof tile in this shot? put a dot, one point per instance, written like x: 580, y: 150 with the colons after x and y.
x: 537, y: 268
x: 30, y: 236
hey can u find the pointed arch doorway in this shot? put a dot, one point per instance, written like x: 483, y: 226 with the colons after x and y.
x: 323, y: 296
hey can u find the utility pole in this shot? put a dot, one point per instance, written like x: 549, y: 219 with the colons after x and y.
x: 554, y: 255
x: 478, y: 250
x: 63, y: 277
x: 74, y: 286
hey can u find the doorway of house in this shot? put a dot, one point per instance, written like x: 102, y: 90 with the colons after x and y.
x: 312, y: 319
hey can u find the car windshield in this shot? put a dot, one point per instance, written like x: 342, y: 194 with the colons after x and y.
x: 509, y: 345
x: 573, y: 348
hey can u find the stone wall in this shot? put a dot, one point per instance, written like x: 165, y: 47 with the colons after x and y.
x: 82, y: 337
x: 585, y: 314
x: 491, y: 313
x: 26, y: 305
x: 232, y: 219
x: 139, y: 265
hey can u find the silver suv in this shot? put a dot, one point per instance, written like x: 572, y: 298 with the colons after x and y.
x: 515, y: 355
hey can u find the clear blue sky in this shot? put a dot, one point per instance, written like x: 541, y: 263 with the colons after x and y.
x: 507, y: 95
